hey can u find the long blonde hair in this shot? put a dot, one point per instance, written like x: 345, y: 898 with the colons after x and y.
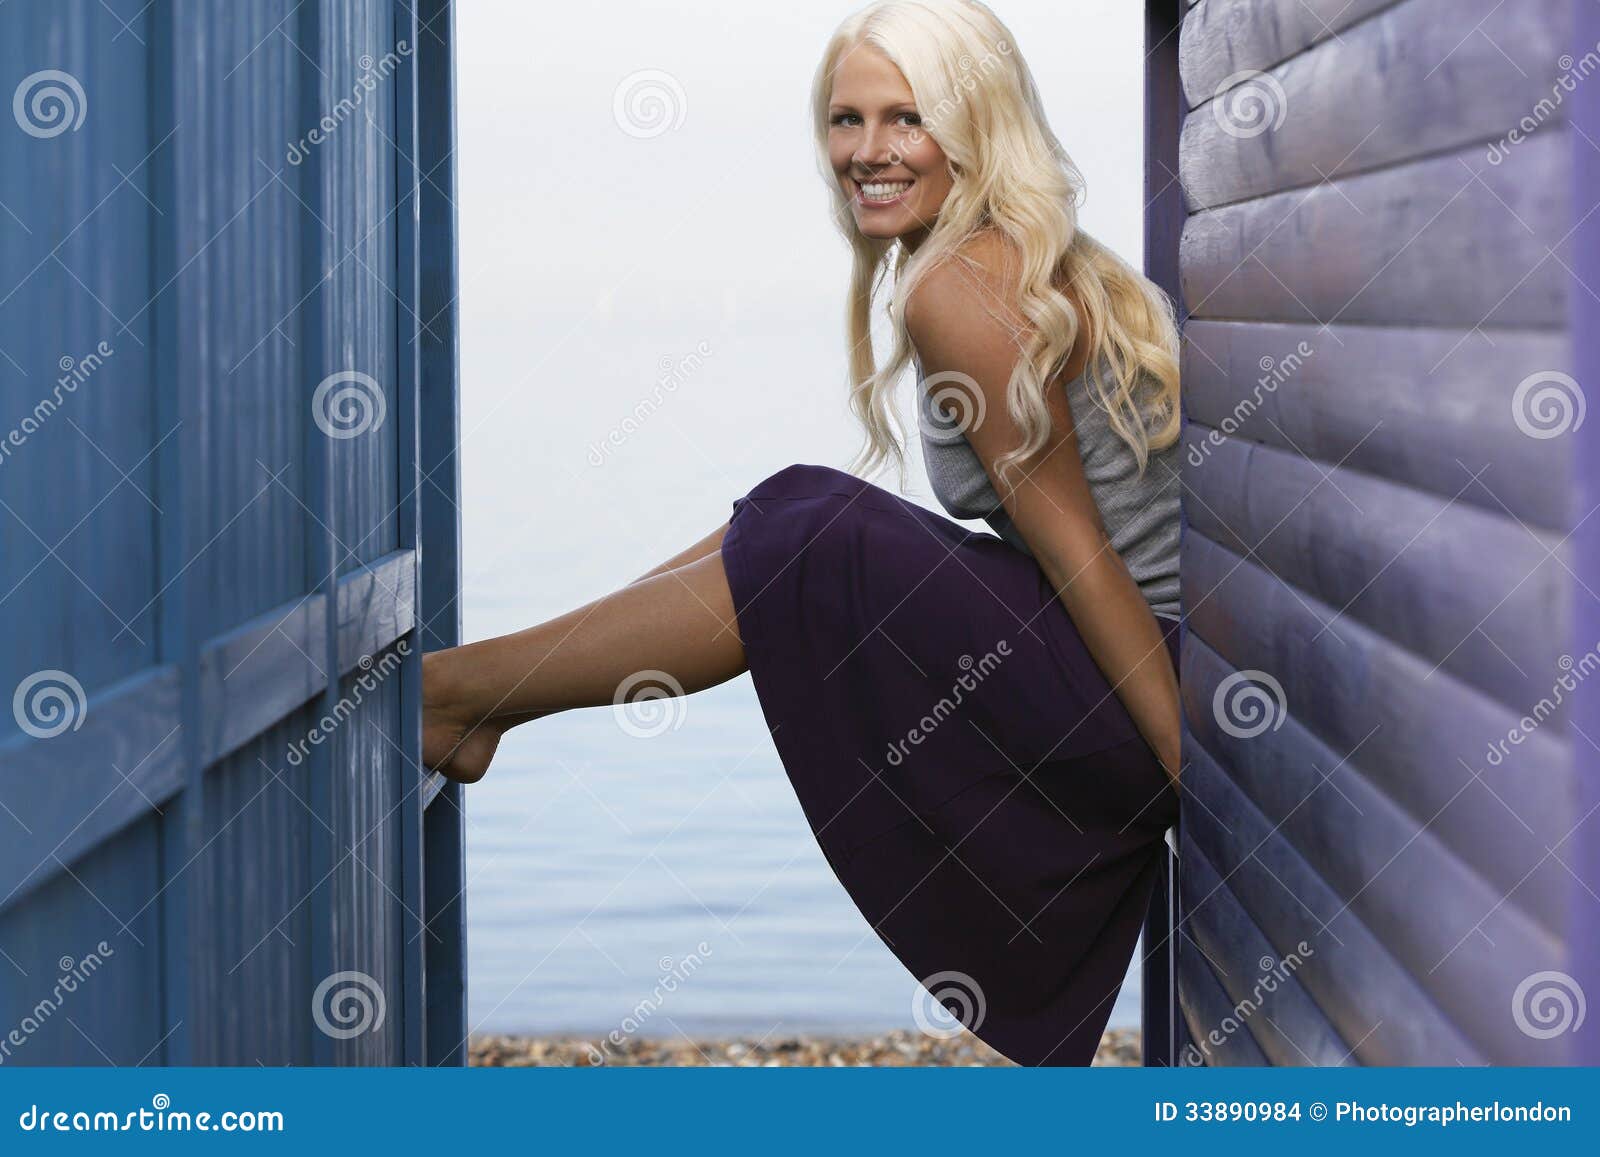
x: 978, y: 101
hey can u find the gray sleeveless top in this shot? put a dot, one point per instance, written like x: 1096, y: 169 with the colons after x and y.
x: 1140, y: 514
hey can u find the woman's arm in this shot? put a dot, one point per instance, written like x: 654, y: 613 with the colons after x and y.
x: 962, y: 318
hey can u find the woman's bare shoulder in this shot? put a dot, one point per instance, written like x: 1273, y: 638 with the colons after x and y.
x: 978, y: 274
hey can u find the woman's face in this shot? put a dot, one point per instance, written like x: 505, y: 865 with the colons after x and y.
x: 894, y: 173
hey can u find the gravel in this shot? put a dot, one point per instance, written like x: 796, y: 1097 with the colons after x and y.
x: 901, y: 1048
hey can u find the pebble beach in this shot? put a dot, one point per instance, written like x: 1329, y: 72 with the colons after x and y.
x: 900, y: 1049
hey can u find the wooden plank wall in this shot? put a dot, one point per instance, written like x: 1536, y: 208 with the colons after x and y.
x: 214, y: 565
x: 1377, y: 271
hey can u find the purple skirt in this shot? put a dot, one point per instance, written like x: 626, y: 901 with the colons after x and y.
x: 975, y: 784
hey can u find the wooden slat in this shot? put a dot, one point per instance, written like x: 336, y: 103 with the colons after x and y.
x: 1261, y: 982
x: 444, y: 825
x: 1466, y: 590
x: 255, y: 865
x: 126, y: 760
x: 1204, y: 1005
x: 1430, y: 408
x: 1419, y: 735
x: 1366, y: 995
x: 1450, y: 241
x: 1222, y: 38
x: 1427, y: 85
x: 408, y: 415
x: 254, y: 676
x: 1466, y: 941
x: 180, y: 632
x: 377, y: 605
x: 105, y: 901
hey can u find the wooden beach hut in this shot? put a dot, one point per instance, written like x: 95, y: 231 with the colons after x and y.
x: 1380, y: 218
x: 227, y: 533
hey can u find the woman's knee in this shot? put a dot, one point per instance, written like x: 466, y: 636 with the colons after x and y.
x: 801, y: 480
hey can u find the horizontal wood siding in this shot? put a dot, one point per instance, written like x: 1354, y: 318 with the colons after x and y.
x: 1377, y: 580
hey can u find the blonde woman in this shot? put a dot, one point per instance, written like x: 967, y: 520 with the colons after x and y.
x: 982, y: 729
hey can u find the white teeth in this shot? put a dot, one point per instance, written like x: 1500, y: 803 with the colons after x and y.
x: 884, y: 190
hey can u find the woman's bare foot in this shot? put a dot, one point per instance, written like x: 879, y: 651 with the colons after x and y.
x: 454, y: 744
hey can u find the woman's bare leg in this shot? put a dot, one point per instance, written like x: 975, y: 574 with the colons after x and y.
x: 678, y: 621
x: 708, y: 544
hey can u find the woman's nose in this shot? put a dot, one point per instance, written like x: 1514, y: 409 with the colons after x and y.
x: 876, y: 148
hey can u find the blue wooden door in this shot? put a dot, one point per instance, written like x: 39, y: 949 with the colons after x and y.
x: 1386, y: 853
x: 227, y: 243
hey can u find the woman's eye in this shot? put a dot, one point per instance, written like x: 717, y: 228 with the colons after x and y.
x: 911, y: 118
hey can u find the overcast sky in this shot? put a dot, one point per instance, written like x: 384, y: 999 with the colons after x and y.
x: 589, y: 255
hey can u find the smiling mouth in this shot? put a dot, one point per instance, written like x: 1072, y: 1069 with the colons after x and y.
x: 881, y: 192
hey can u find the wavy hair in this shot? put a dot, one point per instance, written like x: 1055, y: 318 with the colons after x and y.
x: 977, y: 99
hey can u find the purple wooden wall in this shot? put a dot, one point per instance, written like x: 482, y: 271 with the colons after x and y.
x: 1386, y: 855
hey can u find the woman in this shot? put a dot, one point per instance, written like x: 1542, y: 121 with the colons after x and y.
x: 982, y: 731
